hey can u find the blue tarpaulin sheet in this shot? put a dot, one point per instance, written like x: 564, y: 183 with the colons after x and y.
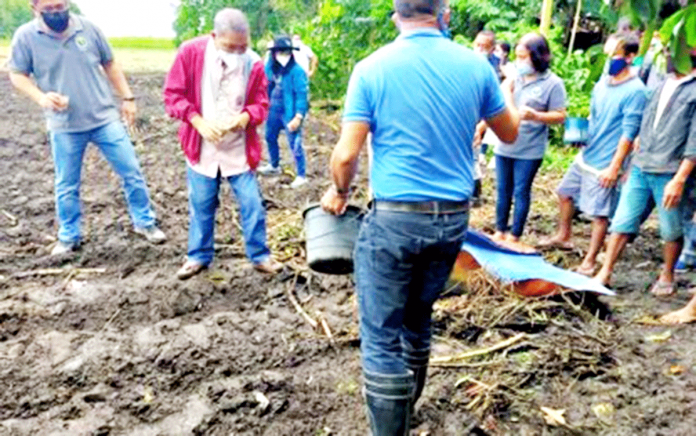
x: 511, y: 266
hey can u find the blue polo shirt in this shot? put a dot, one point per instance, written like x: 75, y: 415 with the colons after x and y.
x: 615, y: 112
x: 422, y: 96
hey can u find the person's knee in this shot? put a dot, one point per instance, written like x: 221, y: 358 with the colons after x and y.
x: 203, y: 201
x: 564, y: 198
x: 67, y: 189
x: 522, y: 193
x: 672, y: 234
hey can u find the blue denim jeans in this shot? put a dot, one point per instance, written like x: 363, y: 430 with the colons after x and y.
x: 641, y: 190
x: 203, y: 202
x: 688, y: 254
x: 402, y: 262
x: 114, y: 143
x: 274, y: 125
x: 514, y: 178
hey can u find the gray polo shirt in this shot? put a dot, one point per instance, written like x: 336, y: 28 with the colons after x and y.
x: 70, y: 66
x: 545, y: 93
x: 662, y: 148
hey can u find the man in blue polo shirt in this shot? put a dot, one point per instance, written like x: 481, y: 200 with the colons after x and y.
x: 56, y: 60
x: 616, y: 112
x: 421, y: 98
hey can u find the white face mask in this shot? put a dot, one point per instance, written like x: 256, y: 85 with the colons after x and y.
x: 283, y: 58
x: 524, y: 68
x: 231, y: 60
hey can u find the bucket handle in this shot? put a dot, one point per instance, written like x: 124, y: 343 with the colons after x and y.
x: 355, y: 218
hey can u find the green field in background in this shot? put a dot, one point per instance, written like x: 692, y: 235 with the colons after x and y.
x: 142, y: 43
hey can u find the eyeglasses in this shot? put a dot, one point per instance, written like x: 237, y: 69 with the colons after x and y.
x: 55, y: 8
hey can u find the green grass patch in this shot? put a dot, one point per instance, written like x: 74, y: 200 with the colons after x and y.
x: 4, y: 42
x: 559, y: 158
x: 143, y: 43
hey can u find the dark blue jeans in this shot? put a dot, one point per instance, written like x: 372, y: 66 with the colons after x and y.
x: 402, y: 262
x: 514, y: 179
x: 203, y: 203
x: 274, y: 125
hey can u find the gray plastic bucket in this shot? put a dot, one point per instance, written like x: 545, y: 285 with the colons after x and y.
x: 331, y: 238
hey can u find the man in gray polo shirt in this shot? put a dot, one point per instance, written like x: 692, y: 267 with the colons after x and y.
x: 57, y: 60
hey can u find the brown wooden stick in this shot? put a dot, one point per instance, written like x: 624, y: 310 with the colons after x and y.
x: 479, y: 352
x: 297, y: 306
x: 58, y: 272
x: 13, y: 219
x: 327, y: 330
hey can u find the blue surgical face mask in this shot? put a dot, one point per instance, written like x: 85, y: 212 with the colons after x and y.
x: 444, y: 28
x: 524, y: 68
x: 617, y: 65
x: 57, y: 21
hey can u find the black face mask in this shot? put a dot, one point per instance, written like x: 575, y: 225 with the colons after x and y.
x: 56, y: 21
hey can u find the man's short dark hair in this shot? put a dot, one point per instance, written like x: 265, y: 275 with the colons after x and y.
x: 539, y: 51
x: 628, y: 42
x: 488, y: 34
x: 413, y: 8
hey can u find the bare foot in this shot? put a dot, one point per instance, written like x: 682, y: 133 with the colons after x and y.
x: 662, y: 289
x: 602, y: 278
x: 682, y: 316
x: 585, y: 269
x: 498, y: 236
x: 512, y: 238
x: 556, y: 242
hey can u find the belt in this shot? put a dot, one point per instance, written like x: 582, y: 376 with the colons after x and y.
x: 426, y: 207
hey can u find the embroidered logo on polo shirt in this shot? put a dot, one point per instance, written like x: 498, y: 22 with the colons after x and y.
x: 81, y: 42
x: 536, y: 92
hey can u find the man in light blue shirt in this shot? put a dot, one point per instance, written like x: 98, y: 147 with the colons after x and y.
x: 616, y: 111
x: 421, y: 97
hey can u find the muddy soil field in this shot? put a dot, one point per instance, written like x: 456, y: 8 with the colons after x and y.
x: 106, y: 341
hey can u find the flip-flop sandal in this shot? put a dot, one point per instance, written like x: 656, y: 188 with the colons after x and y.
x: 551, y: 243
x: 663, y: 289
x: 589, y: 272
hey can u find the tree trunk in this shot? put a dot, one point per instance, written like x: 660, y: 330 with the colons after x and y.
x: 546, y: 13
x: 576, y: 23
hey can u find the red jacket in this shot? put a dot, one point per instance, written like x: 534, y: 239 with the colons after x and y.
x: 182, y: 99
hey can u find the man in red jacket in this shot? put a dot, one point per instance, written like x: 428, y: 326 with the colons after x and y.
x: 218, y: 89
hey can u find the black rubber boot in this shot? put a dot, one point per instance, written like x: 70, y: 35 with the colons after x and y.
x: 389, y: 399
x: 417, y: 362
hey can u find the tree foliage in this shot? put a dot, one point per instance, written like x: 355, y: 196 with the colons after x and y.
x: 195, y: 17
x: 679, y: 31
x: 14, y: 13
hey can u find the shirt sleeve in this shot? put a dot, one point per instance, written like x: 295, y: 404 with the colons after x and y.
x: 557, y: 97
x: 493, y: 99
x: 20, y: 55
x: 358, y: 105
x: 690, y: 149
x: 105, y: 53
x: 633, y: 114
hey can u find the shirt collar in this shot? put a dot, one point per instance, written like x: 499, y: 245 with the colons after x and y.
x: 420, y: 31
x: 74, y: 26
x: 539, y: 78
x: 687, y: 78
